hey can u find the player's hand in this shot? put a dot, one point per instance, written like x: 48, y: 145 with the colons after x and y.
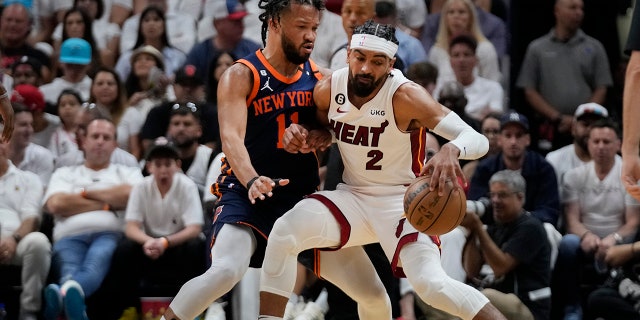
x: 263, y: 187
x: 442, y: 166
x: 294, y: 139
x: 317, y: 140
x: 6, y: 111
x: 631, y: 175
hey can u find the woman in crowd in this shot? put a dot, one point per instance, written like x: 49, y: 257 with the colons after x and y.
x: 152, y: 31
x: 460, y: 17
x: 78, y: 24
x: 63, y: 140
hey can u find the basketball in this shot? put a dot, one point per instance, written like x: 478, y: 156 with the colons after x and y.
x: 430, y: 213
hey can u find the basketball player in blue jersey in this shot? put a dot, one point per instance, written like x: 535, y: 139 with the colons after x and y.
x: 258, y: 98
x: 378, y: 118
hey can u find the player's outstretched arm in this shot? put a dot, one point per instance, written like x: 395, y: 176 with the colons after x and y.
x: 414, y: 108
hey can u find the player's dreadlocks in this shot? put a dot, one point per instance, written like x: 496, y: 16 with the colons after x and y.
x: 274, y: 8
x: 384, y: 31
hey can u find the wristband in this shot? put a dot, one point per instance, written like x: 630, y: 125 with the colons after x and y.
x: 252, y: 181
x: 16, y: 237
x: 165, y: 242
x: 106, y: 207
x: 83, y: 193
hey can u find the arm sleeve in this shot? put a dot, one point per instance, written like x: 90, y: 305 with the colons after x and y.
x: 472, y: 144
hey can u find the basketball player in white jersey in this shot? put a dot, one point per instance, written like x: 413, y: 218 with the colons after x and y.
x: 379, y: 119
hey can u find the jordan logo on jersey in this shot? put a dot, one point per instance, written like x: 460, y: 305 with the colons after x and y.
x: 266, y: 85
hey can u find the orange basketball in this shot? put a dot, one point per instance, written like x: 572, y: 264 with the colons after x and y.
x: 430, y: 213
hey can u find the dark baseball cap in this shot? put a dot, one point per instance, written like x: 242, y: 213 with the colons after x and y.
x: 513, y: 117
x: 189, y: 75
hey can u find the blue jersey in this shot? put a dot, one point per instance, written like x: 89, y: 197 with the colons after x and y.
x: 275, y: 102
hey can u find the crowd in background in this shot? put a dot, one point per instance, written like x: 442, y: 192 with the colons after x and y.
x: 116, y: 128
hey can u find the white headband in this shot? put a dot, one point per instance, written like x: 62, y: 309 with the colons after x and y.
x: 374, y: 43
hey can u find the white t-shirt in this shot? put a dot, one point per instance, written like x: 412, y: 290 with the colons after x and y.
x: 72, y: 180
x: 62, y: 141
x: 602, y: 203
x: 39, y: 160
x: 179, y: 208
x: 484, y: 96
x: 52, y: 90
x: 106, y: 15
x: 20, y: 198
x: 76, y: 158
x: 129, y: 125
x: 563, y: 160
x: 199, y: 168
x: 43, y: 137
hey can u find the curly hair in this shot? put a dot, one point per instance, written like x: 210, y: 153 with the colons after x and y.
x: 274, y: 8
x: 383, y: 31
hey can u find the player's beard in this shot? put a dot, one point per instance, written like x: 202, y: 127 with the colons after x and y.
x: 363, y: 89
x: 291, y: 52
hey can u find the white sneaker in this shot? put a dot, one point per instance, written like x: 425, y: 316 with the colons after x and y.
x: 312, y: 311
x: 215, y: 311
x: 293, y: 310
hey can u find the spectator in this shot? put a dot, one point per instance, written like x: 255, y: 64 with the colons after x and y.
x: 78, y: 24
x: 227, y: 20
x: 26, y: 70
x: 106, y: 34
x: 461, y: 18
x: 599, y: 214
x: 577, y: 153
x: 541, y: 198
x: 619, y: 299
x: 48, y: 14
x: 163, y: 228
x: 188, y: 87
x: 88, y: 113
x: 490, y: 128
x: 562, y: 70
x: 75, y: 59
x: 332, y: 36
x: 146, y: 85
x: 218, y: 65
x: 184, y: 131
x: 425, y: 74
x: 63, y: 140
x: 152, y: 32
x: 181, y: 28
x: 25, y: 154
x: 21, y: 243
x: 107, y: 91
x: 493, y: 28
x: 452, y: 96
x: 410, y: 50
x: 15, y: 25
x: 516, y: 249
x: 117, y: 11
x: 44, y: 124
x: 353, y: 13
x: 87, y: 202
x: 484, y: 96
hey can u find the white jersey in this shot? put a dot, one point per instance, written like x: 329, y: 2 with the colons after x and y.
x: 373, y: 148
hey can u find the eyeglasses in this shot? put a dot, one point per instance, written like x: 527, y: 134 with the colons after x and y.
x: 88, y: 105
x: 190, y: 105
x: 501, y: 195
